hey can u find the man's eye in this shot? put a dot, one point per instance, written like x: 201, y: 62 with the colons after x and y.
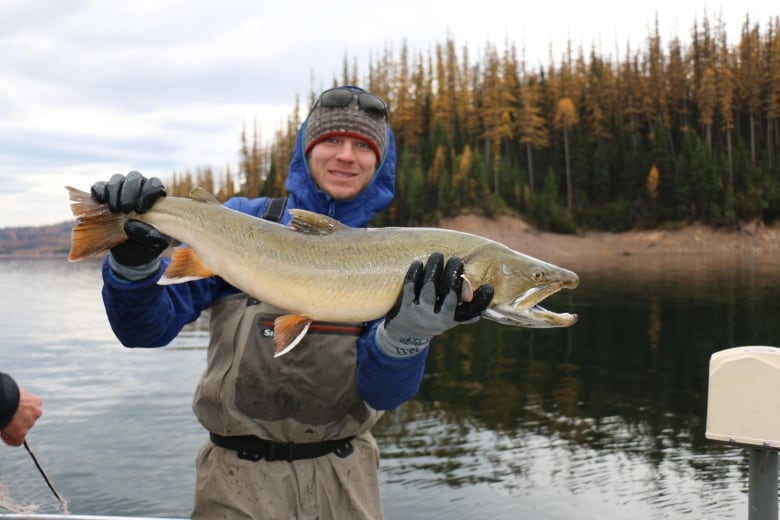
x: 361, y: 144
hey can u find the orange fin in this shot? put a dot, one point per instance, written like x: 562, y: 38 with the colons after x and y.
x: 97, y: 229
x: 289, y: 330
x: 185, y: 266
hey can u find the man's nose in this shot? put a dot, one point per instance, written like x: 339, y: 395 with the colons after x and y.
x: 346, y: 151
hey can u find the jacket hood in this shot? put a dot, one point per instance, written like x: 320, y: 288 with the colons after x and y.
x: 356, y: 212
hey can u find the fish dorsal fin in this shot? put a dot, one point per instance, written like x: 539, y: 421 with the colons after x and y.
x: 314, y: 223
x: 203, y: 195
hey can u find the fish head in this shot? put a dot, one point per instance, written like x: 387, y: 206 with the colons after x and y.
x: 520, y: 282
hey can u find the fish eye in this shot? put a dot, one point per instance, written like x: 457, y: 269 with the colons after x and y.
x: 537, y: 275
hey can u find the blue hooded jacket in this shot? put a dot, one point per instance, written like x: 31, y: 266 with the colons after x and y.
x: 145, y: 314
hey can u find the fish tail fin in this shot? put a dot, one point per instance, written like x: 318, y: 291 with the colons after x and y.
x: 97, y: 229
x: 289, y: 330
x: 185, y: 266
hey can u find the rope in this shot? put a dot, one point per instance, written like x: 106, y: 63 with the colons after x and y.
x: 62, y: 501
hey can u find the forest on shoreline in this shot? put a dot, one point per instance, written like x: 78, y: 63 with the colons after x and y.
x: 666, y: 134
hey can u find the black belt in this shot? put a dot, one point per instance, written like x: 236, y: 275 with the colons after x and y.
x: 254, y: 448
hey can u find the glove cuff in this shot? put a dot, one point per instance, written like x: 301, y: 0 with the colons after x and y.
x: 399, y: 347
x: 136, y: 272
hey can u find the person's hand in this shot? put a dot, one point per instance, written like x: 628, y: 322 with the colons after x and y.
x: 134, y: 193
x: 27, y: 412
x: 429, y: 304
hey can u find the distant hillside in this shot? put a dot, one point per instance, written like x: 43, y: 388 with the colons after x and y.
x: 53, y: 240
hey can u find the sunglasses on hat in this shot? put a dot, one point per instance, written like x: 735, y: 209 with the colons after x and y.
x: 341, y: 96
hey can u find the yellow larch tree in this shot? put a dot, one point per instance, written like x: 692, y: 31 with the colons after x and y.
x: 725, y: 92
x: 749, y: 80
x: 565, y: 118
x: 653, y: 180
x: 773, y: 93
x: 707, y: 99
x: 532, y: 127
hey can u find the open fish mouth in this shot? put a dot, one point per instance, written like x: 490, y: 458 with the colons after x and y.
x: 525, y: 311
x: 536, y: 317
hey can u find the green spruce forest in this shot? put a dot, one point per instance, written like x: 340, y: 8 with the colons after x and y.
x: 665, y: 134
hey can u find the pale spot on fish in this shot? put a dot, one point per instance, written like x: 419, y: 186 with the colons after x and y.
x: 505, y: 269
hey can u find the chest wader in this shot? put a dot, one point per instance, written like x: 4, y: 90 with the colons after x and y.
x: 296, y: 423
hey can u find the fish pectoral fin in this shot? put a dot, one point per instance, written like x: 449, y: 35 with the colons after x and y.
x: 185, y: 266
x: 314, y: 223
x: 289, y: 330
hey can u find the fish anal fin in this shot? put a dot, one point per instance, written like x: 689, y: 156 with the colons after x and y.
x: 289, y: 330
x: 314, y: 223
x: 185, y: 266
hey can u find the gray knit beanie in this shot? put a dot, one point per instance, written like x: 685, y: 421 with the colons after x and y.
x: 349, y: 120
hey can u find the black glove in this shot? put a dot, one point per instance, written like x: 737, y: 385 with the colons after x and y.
x: 145, y: 244
x: 134, y: 193
x: 428, y: 305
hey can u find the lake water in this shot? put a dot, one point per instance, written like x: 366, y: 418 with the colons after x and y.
x: 602, y: 420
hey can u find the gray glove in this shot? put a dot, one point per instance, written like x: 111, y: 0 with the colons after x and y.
x: 139, y: 256
x: 428, y: 305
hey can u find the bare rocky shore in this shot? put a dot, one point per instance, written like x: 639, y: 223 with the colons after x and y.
x: 699, y: 240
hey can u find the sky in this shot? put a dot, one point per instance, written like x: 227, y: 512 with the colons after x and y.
x: 93, y: 88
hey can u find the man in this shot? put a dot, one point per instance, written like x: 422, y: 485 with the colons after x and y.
x: 290, y: 437
x: 19, y: 410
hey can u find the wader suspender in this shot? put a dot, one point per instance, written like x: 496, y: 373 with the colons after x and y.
x: 275, y: 210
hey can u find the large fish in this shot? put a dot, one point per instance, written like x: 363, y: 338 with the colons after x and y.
x: 317, y: 269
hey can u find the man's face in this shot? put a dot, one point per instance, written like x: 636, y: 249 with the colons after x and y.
x: 342, y: 166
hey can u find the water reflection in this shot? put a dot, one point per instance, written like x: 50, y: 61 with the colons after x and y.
x: 604, y: 419
x: 612, y: 409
